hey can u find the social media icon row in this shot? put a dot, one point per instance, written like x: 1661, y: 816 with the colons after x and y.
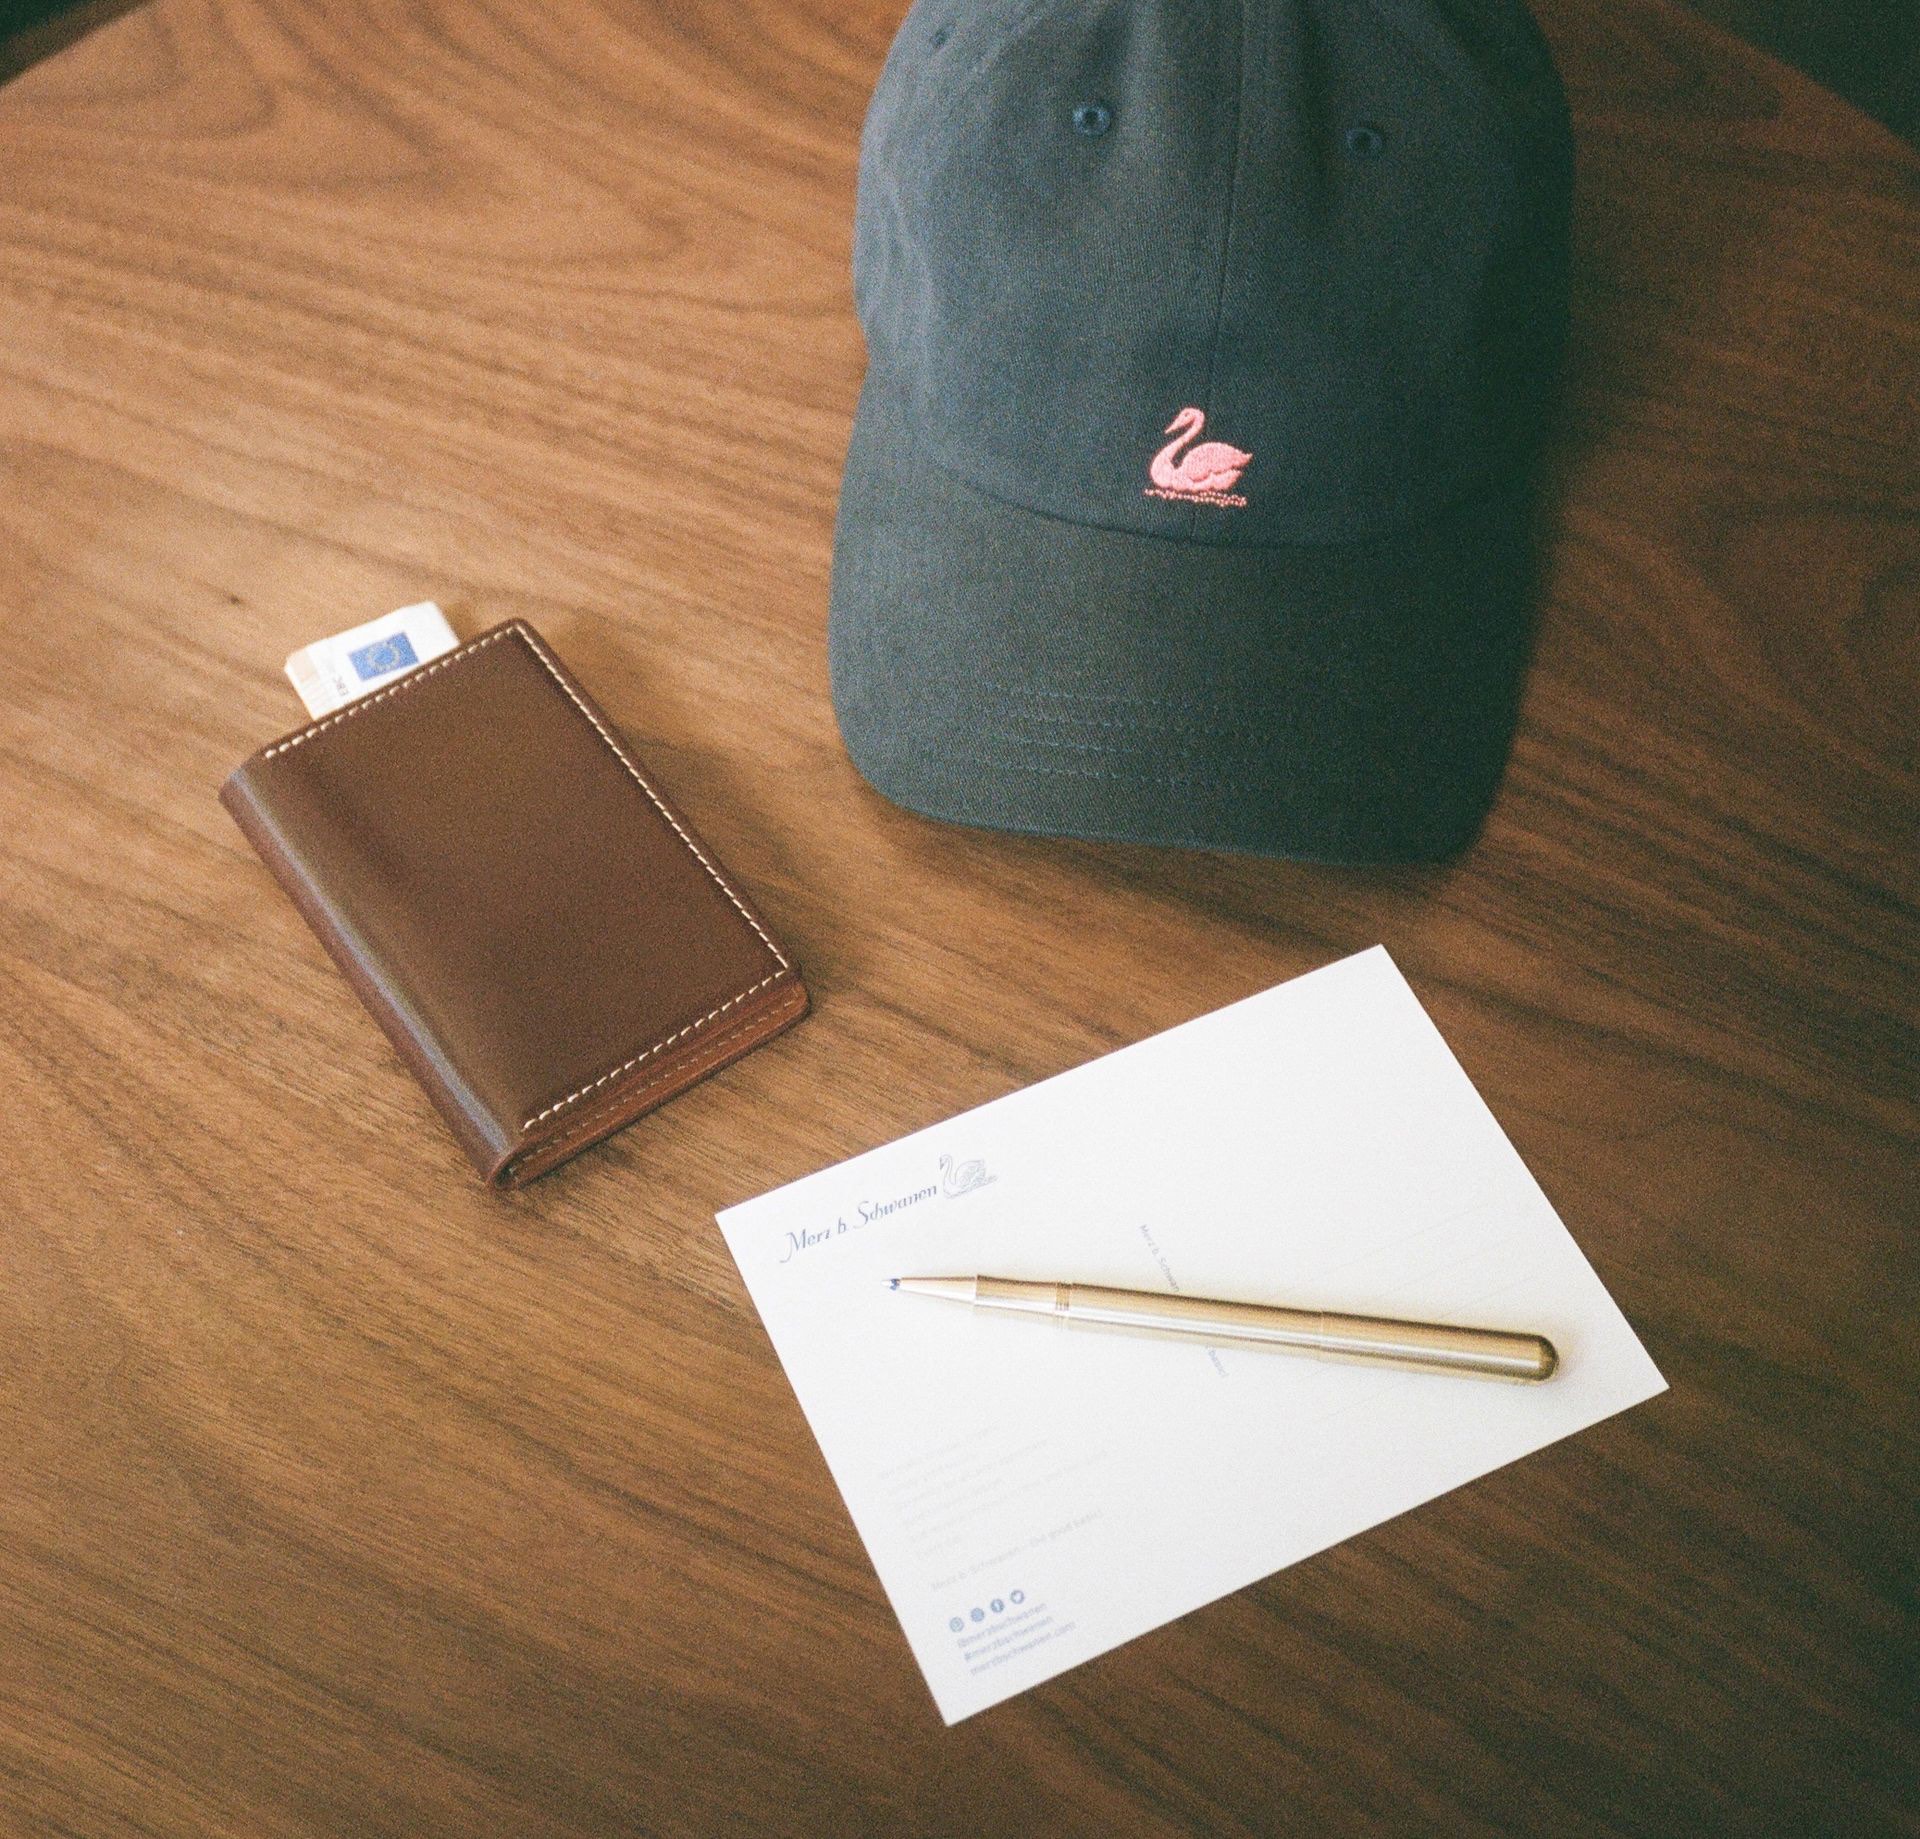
x: 998, y: 1606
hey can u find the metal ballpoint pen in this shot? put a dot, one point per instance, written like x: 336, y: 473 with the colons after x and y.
x: 1427, y: 1346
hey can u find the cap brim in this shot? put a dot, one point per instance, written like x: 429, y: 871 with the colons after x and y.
x: 1341, y: 703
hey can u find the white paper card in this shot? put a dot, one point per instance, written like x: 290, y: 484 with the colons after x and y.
x: 1032, y: 1496
x: 332, y: 672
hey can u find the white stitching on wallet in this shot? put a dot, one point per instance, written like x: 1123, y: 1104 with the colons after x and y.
x: 393, y: 689
x: 539, y: 650
x: 620, y: 754
x: 591, y: 1118
x: 627, y: 1066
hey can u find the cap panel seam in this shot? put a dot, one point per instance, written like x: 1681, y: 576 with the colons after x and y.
x: 955, y: 92
x: 1234, y: 163
x: 1458, y: 72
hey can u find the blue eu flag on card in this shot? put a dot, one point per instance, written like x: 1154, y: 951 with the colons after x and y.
x: 382, y: 657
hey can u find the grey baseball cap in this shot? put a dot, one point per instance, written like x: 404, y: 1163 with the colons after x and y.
x: 1209, y: 349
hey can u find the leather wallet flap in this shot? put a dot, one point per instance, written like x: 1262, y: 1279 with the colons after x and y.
x: 538, y: 930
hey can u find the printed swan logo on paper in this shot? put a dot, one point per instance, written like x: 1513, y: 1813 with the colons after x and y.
x: 957, y: 1178
x: 1205, y: 474
x: 953, y: 1180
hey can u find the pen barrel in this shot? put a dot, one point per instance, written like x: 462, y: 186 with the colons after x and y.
x: 1375, y: 1340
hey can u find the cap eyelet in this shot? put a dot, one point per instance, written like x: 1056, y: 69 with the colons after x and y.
x: 939, y: 36
x: 1365, y: 141
x: 1092, y: 119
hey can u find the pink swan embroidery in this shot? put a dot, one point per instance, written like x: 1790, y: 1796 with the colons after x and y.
x: 1205, y: 474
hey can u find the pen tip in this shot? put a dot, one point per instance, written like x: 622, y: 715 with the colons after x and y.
x: 893, y: 1283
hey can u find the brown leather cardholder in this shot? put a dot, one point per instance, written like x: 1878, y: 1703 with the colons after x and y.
x: 541, y: 935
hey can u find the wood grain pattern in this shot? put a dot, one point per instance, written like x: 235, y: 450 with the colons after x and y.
x: 341, y: 1497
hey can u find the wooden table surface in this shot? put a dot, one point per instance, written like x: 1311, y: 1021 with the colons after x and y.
x: 338, y: 1496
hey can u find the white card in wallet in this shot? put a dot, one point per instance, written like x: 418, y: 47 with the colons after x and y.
x: 1032, y: 1497
x: 332, y: 672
